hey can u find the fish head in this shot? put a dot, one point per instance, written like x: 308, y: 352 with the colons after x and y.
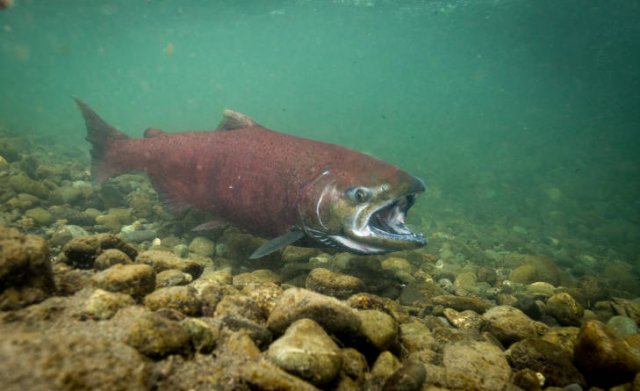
x: 362, y: 212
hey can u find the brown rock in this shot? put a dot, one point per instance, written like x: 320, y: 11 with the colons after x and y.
x: 179, y: 298
x: 135, y: 280
x: 81, y: 252
x: 163, y: 260
x: 605, y: 359
x: 109, y: 258
x: 333, y: 284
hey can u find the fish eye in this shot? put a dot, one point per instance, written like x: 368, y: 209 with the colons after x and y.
x: 359, y: 194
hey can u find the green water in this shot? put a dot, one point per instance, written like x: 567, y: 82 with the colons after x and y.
x: 522, y: 116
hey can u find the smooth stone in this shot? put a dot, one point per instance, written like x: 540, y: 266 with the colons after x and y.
x: 466, y: 320
x: 536, y: 268
x: 541, y: 289
x: 202, y: 246
x: 622, y: 326
x: 256, y: 277
x: 466, y: 280
x: 115, y: 218
x: 354, y: 365
x: 104, y: 304
x: 23, y: 184
x: 604, y: 358
x: 163, y: 260
x: 563, y: 337
x: 139, y: 236
x: 172, y: 277
x: 111, y: 257
x: 307, y: 351
x: 416, y: 336
x: 297, y: 303
x: 64, y: 234
x: 179, y: 298
x: 40, y: 216
x: 156, y: 336
x: 385, y: 365
x: 136, y: 280
x: 239, y: 306
x: 476, y: 364
x: 26, y: 275
x: 333, y: 284
x: 81, y: 252
x: 563, y: 307
x: 544, y: 357
x: 509, y: 324
x: 378, y: 328
x: 460, y: 303
x: 409, y: 377
x: 264, y: 375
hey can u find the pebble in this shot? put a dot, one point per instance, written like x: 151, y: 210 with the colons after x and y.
x: 65, y: 233
x: 163, y: 260
x: 378, y: 328
x: 41, y: 216
x: 476, y: 365
x: 202, y: 246
x: 136, y: 280
x: 604, y: 358
x: 544, y: 357
x: 139, y: 236
x: 179, y: 298
x: 81, y: 252
x: 104, y: 304
x: 622, y: 326
x: 334, y: 284
x: 26, y: 275
x: 307, y: 351
x: 172, y: 277
x: 565, y: 309
x: 109, y: 258
x: 509, y: 324
x: 156, y: 336
x: 332, y: 314
x: 460, y: 303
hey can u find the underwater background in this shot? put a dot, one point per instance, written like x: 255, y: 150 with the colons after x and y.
x: 521, y: 116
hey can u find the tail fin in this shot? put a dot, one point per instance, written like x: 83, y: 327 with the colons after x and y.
x: 100, y: 135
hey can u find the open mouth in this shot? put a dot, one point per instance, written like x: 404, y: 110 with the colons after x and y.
x: 388, y: 222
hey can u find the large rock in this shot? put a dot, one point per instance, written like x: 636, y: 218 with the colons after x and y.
x: 544, y: 357
x: 380, y: 329
x: 565, y: 309
x: 135, y: 280
x: 475, y: 365
x: 509, y: 324
x: 64, y: 362
x: 162, y: 260
x: 605, y: 359
x: 179, y: 298
x: 81, y: 252
x: 296, y: 303
x: 157, y: 336
x: 308, y: 352
x: 333, y: 284
x: 25, y: 270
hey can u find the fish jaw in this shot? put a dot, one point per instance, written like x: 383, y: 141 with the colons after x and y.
x: 363, y: 219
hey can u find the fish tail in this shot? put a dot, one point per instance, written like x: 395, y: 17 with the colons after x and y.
x: 101, y: 136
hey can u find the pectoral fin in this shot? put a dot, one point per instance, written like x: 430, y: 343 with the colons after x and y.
x: 277, y: 243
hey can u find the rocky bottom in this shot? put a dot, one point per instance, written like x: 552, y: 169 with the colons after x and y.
x: 104, y: 315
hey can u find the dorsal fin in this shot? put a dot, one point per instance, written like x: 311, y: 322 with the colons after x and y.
x: 233, y: 120
x: 153, y: 132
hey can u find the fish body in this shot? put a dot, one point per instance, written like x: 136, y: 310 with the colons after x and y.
x: 269, y: 183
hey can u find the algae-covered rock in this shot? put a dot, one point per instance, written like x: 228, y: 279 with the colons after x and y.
x: 333, y: 284
x: 156, y: 336
x: 202, y: 246
x: 179, y: 298
x: 115, y: 218
x: 204, y: 334
x: 172, y: 277
x: 476, y: 365
x: 62, y: 235
x: 296, y: 303
x: 256, y: 278
x: 40, y: 216
x: 240, y: 306
x: 135, y: 280
x: 409, y: 377
x: 81, y: 252
x: 509, y: 324
x: 603, y: 358
x: 385, y: 365
x: 163, y: 260
x: 379, y: 328
x: 308, y: 352
x: 565, y: 309
x: 58, y: 361
x: 23, y: 184
x: 544, y: 357
x: 110, y: 257
x: 25, y: 270
x: 104, y: 304
x: 462, y: 303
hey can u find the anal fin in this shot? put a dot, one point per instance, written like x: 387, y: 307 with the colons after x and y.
x: 277, y: 243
